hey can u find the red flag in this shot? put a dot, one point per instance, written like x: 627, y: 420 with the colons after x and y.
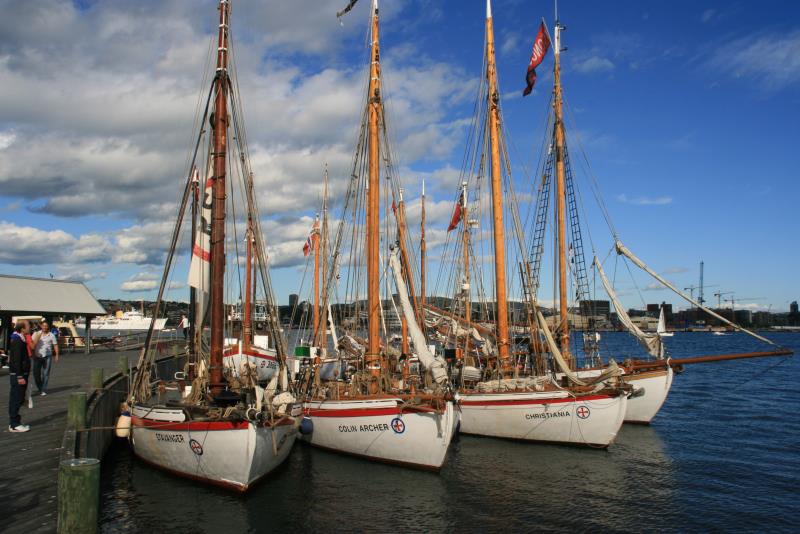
x: 540, y: 47
x: 307, y: 247
x: 457, y: 213
x: 309, y: 242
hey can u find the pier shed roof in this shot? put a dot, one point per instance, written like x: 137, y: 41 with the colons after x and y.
x: 22, y: 295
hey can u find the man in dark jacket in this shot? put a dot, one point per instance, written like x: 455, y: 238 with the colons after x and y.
x: 19, y: 368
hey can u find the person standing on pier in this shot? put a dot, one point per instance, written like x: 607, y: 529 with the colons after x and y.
x: 19, y: 368
x: 184, y: 326
x: 44, y: 353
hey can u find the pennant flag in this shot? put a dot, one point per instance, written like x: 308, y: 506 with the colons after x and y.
x: 457, y: 213
x: 540, y: 47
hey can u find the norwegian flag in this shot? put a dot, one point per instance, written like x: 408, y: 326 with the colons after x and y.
x: 540, y: 47
x: 310, y: 240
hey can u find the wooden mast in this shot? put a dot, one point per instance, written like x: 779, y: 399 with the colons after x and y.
x: 248, y: 288
x: 465, y: 245
x: 192, y: 289
x: 315, y: 308
x: 501, y: 298
x: 400, y: 216
x: 321, y: 338
x: 220, y: 126
x: 373, y: 356
x: 561, y: 201
x: 422, y: 252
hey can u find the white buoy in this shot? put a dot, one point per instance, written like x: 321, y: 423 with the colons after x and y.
x: 123, y: 429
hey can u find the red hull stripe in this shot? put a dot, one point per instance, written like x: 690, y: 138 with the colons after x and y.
x: 364, y: 412
x: 190, y: 426
x: 200, y: 253
x: 249, y: 353
x: 520, y: 402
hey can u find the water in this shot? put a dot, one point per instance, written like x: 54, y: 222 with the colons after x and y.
x: 723, y: 454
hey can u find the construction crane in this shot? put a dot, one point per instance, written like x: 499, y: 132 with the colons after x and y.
x: 719, y: 295
x: 691, y: 290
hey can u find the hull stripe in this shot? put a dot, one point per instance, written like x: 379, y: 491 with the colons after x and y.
x: 522, y: 402
x: 364, y: 412
x: 189, y: 426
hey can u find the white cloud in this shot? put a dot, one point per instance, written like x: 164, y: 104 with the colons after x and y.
x: 770, y: 60
x: 140, y: 282
x: 594, y: 64
x: 708, y: 14
x: 644, y: 201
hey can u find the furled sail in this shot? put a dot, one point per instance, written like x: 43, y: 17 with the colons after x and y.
x: 651, y: 342
x: 200, y: 268
x: 611, y: 371
x: 622, y: 249
x: 436, y: 365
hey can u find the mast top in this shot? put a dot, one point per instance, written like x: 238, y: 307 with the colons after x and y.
x: 375, y: 5
x: 423, y: 187
x: 488, y: 9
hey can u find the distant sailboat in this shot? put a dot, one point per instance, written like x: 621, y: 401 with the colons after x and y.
x: 661, y: 329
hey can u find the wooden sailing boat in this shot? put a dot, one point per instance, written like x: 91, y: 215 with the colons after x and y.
x: 380, y: 406
x: 501, y: 393
x: 224, y: 429
x: 650, y: 379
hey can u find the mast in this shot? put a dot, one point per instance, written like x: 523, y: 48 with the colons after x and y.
x: 315, y: 310
x: 192, y: 291
x: 422, y: 252
x: 400, y: 216
x: 323, y: 334
x: 560, y: 200
x: 465, y: 246
x: 220, y: 126
x: 372, y: 356
x: 248, y: 288
x: 497, y: 195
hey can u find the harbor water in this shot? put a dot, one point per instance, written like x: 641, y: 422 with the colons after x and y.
x: 722, y: 454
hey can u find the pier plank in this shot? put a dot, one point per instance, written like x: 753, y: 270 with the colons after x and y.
x: 29, y: 461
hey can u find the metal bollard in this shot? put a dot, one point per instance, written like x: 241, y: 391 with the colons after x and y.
x: 122, y: 365
x: 78, y: 495
x: 76, y: 410
x: 96, y: 380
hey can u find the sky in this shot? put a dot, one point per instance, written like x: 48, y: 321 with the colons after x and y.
x: 687, y: 111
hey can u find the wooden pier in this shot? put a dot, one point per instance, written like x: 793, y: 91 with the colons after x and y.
x: 29, y: 461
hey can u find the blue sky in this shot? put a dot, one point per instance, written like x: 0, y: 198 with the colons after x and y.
x: 688, y: 112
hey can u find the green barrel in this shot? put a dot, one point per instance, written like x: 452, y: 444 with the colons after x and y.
x: 78, y: 495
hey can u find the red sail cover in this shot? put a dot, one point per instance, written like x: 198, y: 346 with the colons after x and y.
x: 456, y: 218
x: 540, y: 47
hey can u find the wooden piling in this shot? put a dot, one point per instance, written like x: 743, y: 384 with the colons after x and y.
x: 76, y: 410
x: 122, y: 365
x: 78, y: 495
x: 96, y: 379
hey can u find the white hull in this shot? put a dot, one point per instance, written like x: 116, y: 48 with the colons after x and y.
x: 122, y: 326
x: 377, y: 429
x: 656, y: 385
x: 264, y: 360
x: 549, y: 416
x: 644, y: 406
x: 229, y: 454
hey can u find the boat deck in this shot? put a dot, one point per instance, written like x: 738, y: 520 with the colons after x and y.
x: 29, y: 462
